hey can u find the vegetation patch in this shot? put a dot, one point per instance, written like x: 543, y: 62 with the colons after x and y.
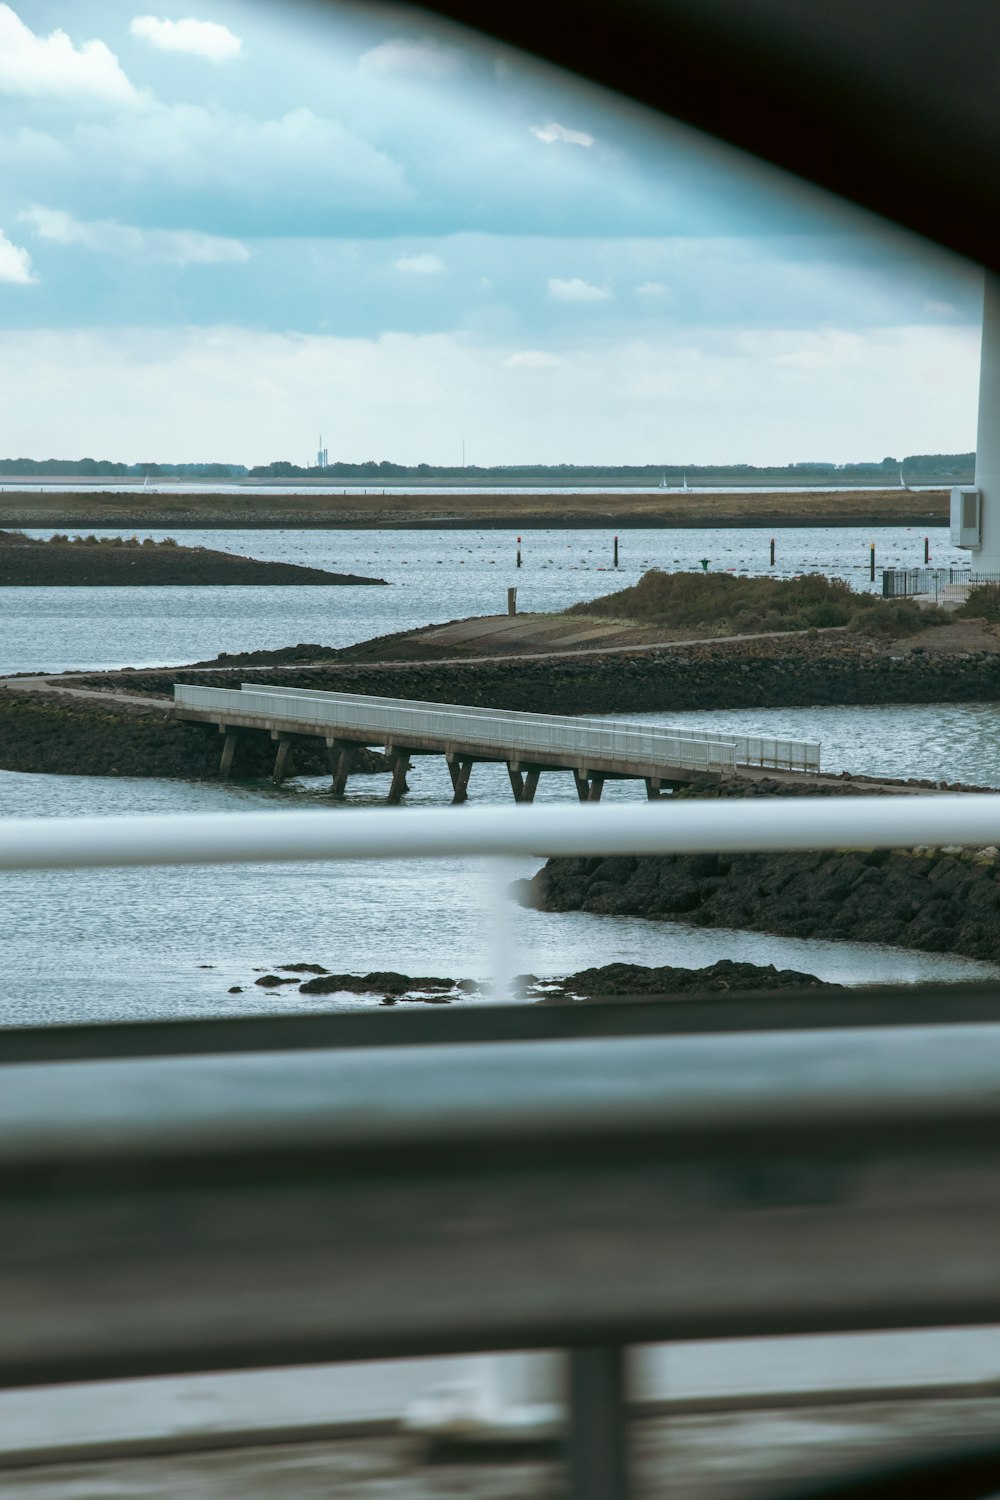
x: 982, y: 603
x: 725, y: 604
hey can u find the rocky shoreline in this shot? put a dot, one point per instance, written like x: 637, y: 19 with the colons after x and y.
x: 931, y: 900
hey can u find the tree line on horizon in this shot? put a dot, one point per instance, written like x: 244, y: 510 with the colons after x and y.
x: 926, y: 468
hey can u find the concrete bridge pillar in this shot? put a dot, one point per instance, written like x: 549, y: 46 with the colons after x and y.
x: 228, y: 751
x: 341, y: 755
x: 400, y: 766
x: 281, y: 760
x: 460, y: 769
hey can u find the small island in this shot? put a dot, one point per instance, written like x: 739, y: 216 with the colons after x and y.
x: 108, y: 562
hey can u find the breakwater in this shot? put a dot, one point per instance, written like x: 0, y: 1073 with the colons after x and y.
x: 774, y: 672
x: 45, y: 731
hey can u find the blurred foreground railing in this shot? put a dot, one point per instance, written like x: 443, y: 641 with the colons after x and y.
x: 234, y: 1209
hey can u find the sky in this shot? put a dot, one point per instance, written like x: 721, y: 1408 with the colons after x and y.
x: 226, y: 230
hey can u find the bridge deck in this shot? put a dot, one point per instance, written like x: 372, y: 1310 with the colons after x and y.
x: 593, y: 749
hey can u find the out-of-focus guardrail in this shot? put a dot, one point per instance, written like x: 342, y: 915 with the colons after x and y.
x: 253, y: 1207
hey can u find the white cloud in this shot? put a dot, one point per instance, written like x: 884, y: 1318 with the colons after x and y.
x: 553, y: 132
x: 15, y: 263
x: 201, y: 38
x: 420, y: 265
x: 193, y: 148
x: 51, y: 67
x: 199, y: 393
x: 532, y: 359
x: 576, y: 290
x: 413, y: 57
x: 940, y: 309
x: 176, y: 247
x: 650, y: 289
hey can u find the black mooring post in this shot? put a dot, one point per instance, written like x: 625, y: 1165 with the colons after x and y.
x: 616, y: 552
x: 597, y: 1455
x: 519, y: 551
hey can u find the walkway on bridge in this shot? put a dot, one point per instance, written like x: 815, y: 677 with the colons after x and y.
x: 594, y: 750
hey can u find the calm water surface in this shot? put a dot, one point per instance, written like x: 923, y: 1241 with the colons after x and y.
x: 431, y: 576
x: 127, y: 944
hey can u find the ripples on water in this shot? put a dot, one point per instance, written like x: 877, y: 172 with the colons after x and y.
x: 128, y: 944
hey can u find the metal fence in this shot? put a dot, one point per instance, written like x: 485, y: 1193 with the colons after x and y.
x: 904, y: 583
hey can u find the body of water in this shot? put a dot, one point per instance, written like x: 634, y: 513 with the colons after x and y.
x: 432, y: 576
x: 119, y: 944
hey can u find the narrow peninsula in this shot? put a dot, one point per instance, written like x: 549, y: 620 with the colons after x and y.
x: 109, y: 562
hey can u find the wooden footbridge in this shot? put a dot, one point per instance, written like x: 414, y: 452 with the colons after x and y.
x: 594, y: 750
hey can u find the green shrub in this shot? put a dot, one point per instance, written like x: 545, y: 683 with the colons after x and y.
x: 723, y: 603
x: 982, y: 603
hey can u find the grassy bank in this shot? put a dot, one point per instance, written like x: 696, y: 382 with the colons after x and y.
x: 723, y: 604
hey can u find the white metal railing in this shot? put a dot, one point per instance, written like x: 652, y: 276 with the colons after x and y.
x: 758, y: 825
x: 626, y: 744
x: 776, y: 752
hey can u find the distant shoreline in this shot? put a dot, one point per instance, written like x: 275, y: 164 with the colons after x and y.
x: 446, y: 511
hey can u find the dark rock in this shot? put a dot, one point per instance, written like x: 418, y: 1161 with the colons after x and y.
x: 235, y: 989
x: 302, y: 969
x: 635, y: 981
x: 379, y: 982
x: 272, y: 981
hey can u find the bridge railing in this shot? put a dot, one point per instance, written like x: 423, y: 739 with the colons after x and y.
x: 751, y: 750
x: 627, y: 745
